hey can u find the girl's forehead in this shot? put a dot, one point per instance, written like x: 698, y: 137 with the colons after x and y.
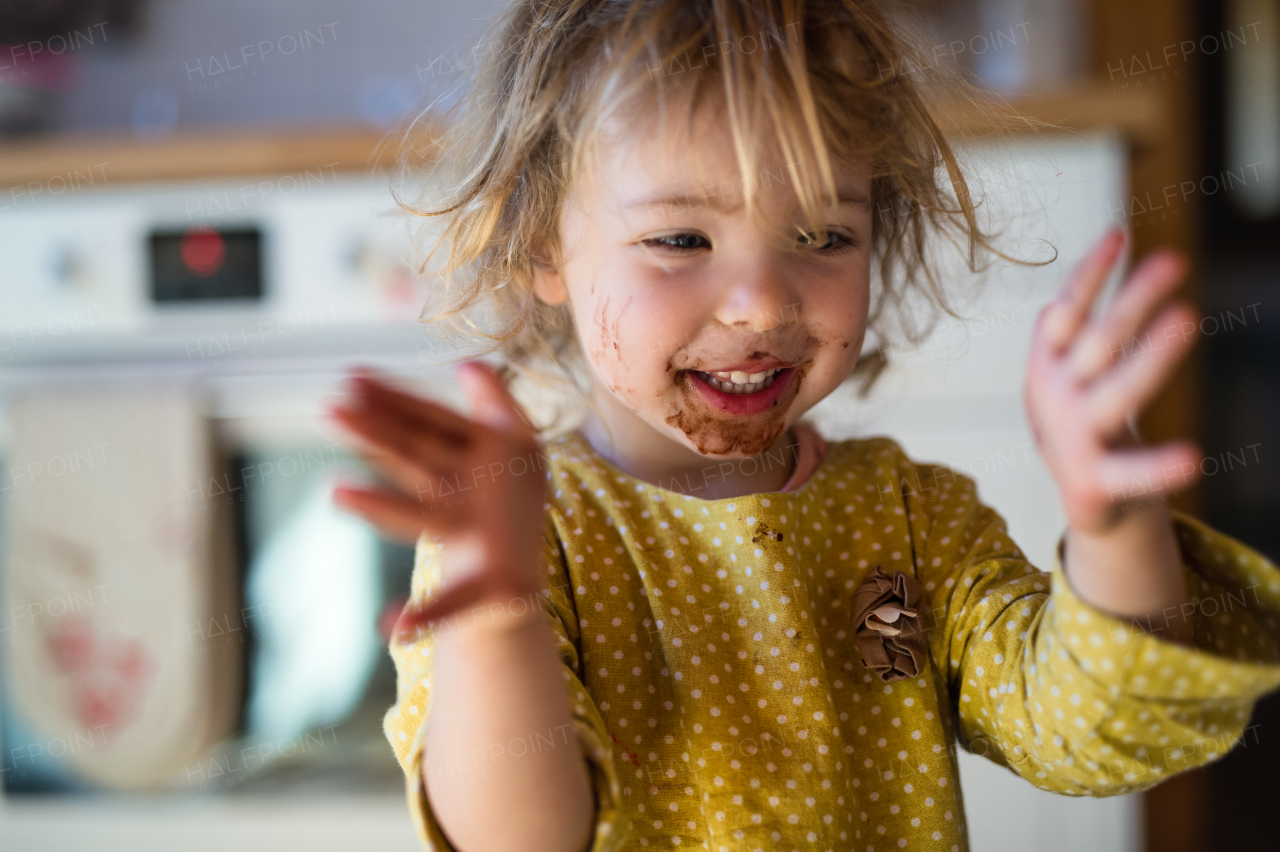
x: 654, y: 155
x: 653, y: 176
x: 671, y: 140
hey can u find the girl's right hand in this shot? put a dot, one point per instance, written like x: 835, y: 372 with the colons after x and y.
x: 477, y: 484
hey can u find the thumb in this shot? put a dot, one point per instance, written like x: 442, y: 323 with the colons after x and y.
x: 491, y: 402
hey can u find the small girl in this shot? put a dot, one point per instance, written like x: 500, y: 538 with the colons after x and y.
x: 693, y: 621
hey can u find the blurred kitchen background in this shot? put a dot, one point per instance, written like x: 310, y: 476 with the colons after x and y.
x: 197, y: 238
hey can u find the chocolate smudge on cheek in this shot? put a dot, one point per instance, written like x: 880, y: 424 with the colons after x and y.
x: 610, y: 337
x: 617, y: 320
x: 716, y: 434
x: 670, y: 369
x: 601, y: 320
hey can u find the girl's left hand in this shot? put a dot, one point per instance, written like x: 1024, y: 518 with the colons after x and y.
x: 1088, y: 376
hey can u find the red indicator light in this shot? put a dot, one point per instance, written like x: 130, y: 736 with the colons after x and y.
x: 203, y: 251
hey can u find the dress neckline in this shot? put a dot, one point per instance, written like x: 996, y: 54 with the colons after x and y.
x: 663, y: 494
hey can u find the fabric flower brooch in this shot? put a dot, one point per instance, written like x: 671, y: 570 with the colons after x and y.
x: 889, y: 631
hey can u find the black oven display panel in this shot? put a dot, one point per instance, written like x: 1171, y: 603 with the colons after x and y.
x: 202, y: 264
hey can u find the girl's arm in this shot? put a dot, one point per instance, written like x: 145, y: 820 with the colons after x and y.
x: 497, y: 679
x: 1143, y: 653
x: 1072, y: 698
x: 497, y: 686
x: 1088, y: 377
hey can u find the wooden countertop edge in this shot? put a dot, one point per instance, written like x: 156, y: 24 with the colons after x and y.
x: 51, y: 165
x: 1141, y: 116
x: 44, y: 164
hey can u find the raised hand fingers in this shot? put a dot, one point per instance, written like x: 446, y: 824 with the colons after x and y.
x: 423, y: 412
x: 1068, y: 313
x: 410, y: 477
x: 388, y: 434
x: 1130, y: 385
x: 1098, y: 345
x: 400, y: 518
x: 1153, y: 472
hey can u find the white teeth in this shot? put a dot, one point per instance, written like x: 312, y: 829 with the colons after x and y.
x: 739, y: 382
x: 741, y: 378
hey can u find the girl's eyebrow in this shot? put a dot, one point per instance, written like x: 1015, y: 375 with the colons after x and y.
x: 683, y: 202
x: 712, y: 199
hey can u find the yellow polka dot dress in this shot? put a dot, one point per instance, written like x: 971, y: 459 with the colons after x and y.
x: 722, y: 704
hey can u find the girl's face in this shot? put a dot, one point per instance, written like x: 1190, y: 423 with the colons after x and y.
x: 715, y: 330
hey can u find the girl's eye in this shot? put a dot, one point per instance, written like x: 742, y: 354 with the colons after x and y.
x: 688, y: 242
x: 835, y: 242
x: 679, y: 242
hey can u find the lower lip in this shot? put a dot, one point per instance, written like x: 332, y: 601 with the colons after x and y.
x: 744, y: 403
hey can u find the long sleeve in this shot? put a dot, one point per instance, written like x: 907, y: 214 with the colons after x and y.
x: 1072, y: 699
x: 404, y: 726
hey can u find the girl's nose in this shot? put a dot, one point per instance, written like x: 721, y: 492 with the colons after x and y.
x: 757, y: 298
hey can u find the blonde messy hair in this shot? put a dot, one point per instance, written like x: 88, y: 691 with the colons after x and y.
x: 832, y: 81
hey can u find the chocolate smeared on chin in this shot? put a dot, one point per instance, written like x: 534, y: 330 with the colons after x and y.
x: 713, y: 434
x: 889, y: 631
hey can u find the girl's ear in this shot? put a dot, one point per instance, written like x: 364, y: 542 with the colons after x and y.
x: 548, y: 282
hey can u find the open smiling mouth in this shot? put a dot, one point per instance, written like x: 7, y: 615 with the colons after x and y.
x: 739, y: 393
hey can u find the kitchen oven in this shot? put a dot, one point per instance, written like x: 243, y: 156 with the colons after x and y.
x: 183, y: 607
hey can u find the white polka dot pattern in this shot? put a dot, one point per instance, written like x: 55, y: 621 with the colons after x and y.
x: 721, y: 701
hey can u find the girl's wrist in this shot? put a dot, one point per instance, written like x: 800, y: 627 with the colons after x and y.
x: 1133, y: 570
x: 499, y: 618
x: 490, y: 644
